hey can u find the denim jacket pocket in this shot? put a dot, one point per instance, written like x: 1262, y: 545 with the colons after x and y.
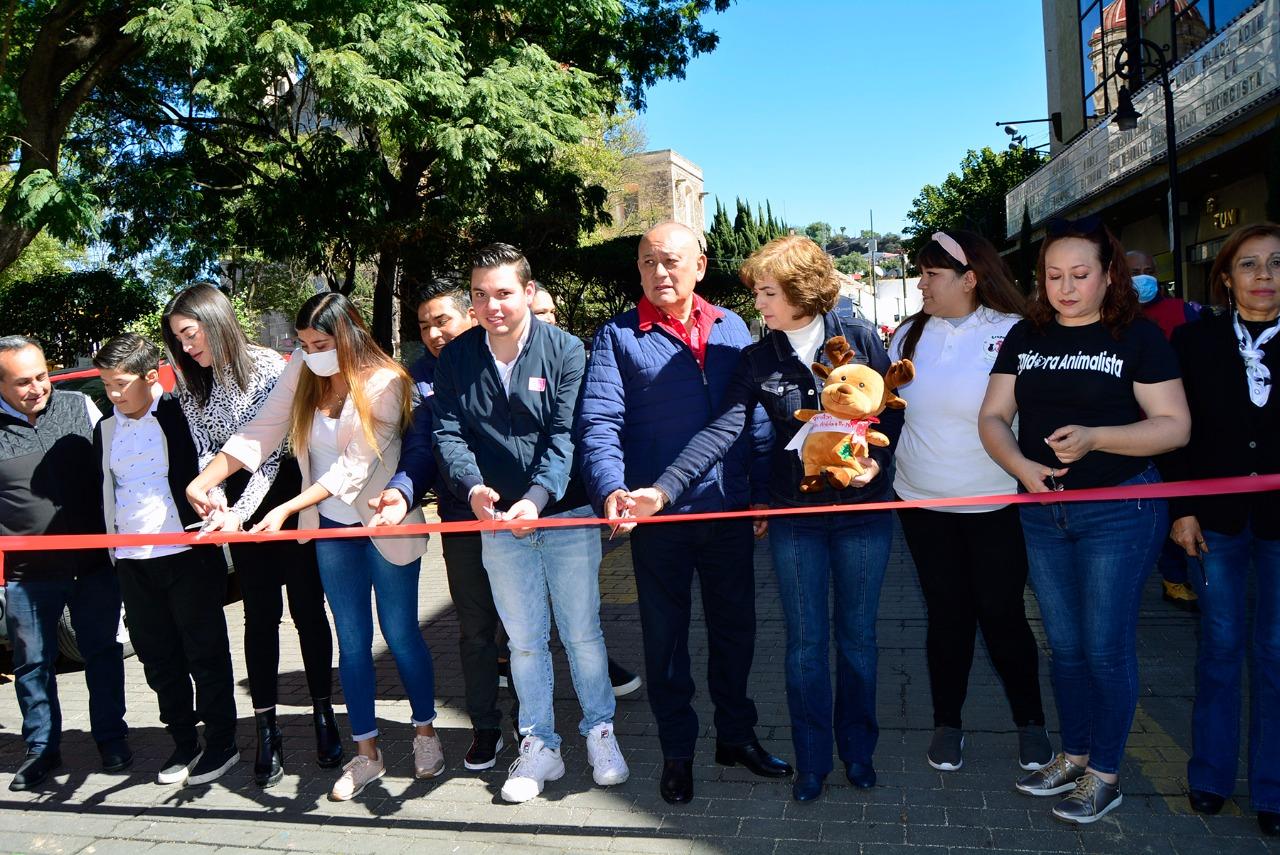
x: 781, y: 398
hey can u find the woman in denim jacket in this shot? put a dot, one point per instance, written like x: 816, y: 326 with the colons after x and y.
x: 796, y: 290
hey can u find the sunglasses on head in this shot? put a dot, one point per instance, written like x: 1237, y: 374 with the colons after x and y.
x: 1059, y: 226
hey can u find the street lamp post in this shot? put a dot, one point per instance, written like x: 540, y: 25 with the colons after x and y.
x: 1129, y: 67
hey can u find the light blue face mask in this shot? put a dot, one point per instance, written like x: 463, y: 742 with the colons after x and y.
x: 1146, y: 286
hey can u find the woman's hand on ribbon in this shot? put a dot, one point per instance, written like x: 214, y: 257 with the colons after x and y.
x: 203, y: 500
x: 1032, y: 476
x: 274, y: 520
x: 219, y: 520
x: 389, y: 508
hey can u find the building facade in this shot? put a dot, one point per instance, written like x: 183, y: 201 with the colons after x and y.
x: 1224, y: 58
x: 658, y: 186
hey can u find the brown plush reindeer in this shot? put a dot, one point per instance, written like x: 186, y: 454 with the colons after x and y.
x: 853, y: 395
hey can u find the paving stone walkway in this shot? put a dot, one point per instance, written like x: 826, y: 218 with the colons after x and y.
x: 914, y: 807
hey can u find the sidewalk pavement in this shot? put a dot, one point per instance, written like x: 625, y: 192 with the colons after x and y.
x: 913, y: 808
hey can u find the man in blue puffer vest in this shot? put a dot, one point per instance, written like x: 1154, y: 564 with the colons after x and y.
x: 657, y: 374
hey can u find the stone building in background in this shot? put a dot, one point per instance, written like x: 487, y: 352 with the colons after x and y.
x: 657, y: 186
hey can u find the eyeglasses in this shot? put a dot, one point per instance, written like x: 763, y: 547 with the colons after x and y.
x: 1252, y: 265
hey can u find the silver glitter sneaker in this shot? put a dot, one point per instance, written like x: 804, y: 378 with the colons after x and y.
x: 1059, y: 776
x: 1091, y: 800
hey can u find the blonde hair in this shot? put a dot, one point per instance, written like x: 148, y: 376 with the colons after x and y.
x: 358, y: 356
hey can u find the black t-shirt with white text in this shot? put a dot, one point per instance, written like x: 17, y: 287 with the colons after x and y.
x: 1082, y: 376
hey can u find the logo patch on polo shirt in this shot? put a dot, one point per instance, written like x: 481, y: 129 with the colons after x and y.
x: 537, y: 384
x: 991, y: 347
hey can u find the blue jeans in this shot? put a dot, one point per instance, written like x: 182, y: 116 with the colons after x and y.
x: 564, y: 564
x: 811, y: 554
x: 1088, y: 562
x: 34, y: 609
x: 349, y: 570
x: 1215, y: 722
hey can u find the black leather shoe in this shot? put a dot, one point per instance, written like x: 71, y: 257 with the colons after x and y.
x: 1203, y: 802
x: 328, y: 740
x: 676, y: 786
x: 861, y: 775
x: 34, y: 769
x: 116, y: 756
x: 1269, y: 823
x: 754, y: 757
x: 268, y: 759
x: 807, y: 786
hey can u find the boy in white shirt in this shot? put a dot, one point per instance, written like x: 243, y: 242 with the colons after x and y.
x: 173, y: 595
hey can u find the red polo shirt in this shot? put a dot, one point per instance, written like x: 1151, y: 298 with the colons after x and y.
x: 701, y: 319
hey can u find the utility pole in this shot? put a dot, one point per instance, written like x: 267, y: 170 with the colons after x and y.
x: 904, y: 283
x: 875, y: 309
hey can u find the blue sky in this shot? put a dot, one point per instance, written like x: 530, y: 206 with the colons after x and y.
x: 833, y: 108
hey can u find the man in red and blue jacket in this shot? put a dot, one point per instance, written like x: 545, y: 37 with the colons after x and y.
x: 656, y: 376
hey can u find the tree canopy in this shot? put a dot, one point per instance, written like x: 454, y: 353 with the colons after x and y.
x: 972, y: 199
x: 334, y: 133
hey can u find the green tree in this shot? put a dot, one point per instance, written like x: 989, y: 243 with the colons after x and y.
x: 820, y: 232
x: 851, y: 263
x: 972, y: 199
x: 71, y: 313
x: 391, y: 133
x: 54, y: 56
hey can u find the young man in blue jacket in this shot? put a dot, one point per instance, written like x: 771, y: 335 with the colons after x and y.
x: 657, y: 375
x: 505, y: 397
x: 442, y: 317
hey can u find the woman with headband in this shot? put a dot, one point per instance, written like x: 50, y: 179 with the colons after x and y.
x: 1079, y: 374
x: 970, y: 560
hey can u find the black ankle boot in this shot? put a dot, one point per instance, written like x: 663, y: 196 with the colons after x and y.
x: 328, y: 740
x: 268, y: 762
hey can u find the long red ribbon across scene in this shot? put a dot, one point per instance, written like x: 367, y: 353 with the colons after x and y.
x: 1163, y: 490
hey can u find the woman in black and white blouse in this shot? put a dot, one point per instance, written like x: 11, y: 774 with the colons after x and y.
x: 223, y: 381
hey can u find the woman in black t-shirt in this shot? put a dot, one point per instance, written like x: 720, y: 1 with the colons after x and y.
x: 1079, y: 373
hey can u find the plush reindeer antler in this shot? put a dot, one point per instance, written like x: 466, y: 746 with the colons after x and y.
x: 838, y: 351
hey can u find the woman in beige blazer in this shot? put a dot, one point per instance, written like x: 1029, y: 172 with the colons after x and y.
x: 343, y: 404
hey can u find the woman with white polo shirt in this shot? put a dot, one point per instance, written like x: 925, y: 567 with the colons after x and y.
x: 970, y: 560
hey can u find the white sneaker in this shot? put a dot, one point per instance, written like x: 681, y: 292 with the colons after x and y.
x: 536, y: 765
x: 356, y: 775
x: 605, y: 757
x: 428, y: 756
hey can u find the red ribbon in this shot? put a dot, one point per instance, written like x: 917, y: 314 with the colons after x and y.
x: 1162, y: 490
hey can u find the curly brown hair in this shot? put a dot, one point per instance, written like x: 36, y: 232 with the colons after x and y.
x: 1120, y: 306
x: 801, y: 269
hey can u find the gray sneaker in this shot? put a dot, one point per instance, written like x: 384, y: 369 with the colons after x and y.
x: 1034, y: 748
x: 946, y: 750
x: 1091, y: 800
x: 1060, y: 776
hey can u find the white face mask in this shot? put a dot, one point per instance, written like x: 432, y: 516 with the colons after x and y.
x: 322, y: 364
